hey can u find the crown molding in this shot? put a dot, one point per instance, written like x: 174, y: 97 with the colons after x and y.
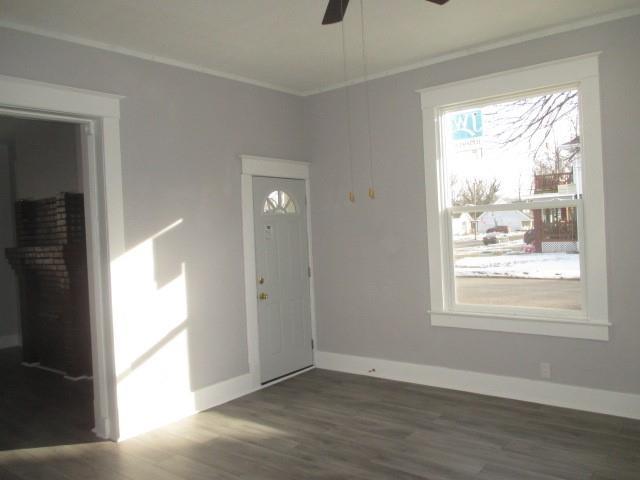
x: 144, y: 56
x: 505, y: 42
x: 562, y: 28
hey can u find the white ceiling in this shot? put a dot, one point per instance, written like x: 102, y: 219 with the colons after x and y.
x: 281, y: 43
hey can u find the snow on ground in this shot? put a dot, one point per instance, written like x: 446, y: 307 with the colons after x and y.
x: 477, y: 248
x: 564, y: 266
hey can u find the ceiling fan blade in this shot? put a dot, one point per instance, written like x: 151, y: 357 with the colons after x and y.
x: 439, y: 2
x: 335, y: 11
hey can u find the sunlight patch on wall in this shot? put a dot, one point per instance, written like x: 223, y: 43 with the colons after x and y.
x: 150, y: 328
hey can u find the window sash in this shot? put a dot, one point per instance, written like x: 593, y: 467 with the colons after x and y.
x: 452, y: 306
x: 505, y: 207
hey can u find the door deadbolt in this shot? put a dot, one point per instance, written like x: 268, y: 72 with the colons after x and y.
x: 260, y: 280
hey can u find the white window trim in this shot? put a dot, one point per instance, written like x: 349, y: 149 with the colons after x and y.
x: 592, y: 323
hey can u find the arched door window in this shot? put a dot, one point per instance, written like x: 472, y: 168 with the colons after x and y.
x: 279, y: 203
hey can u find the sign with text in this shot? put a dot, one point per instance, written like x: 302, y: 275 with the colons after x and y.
x: 467, y: 131
x: 467, y: 125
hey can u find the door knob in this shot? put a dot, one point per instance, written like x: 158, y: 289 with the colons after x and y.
x: 263, y: 296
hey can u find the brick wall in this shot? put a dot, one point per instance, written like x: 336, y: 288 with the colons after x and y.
x: 50, y: 261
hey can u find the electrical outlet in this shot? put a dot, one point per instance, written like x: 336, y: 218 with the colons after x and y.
x: 545, y: 370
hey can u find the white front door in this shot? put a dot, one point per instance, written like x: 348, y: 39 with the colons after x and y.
x: 282, y: 267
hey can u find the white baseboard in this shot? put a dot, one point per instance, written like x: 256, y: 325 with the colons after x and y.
x: 8, y: 341
x: 102, y: 428
x: 183, y: 406
x: 223, y: 392
x: 56, y: 371
x: 536, y: 391
x: 236, y: 387
x: 203, y: 399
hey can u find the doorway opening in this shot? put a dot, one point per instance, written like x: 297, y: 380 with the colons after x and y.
x: 45, y: 337
x: 98, y: 116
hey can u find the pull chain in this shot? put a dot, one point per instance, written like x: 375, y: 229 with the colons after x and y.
x: 372, y: 191
x: 351, y: 196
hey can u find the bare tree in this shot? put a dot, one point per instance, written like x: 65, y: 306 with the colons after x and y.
x: 558, y: 157
x: 477, y: 191
x: 533, y: 119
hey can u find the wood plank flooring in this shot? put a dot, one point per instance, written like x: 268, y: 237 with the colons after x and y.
x: 40, y: 408
x: 327, y: 425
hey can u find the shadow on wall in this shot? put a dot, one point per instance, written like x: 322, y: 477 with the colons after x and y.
x: 150, y: 328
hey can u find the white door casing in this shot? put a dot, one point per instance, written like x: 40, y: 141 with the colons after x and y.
x: 98, y: 114
x: 10, y: 328
x: 255, y: 166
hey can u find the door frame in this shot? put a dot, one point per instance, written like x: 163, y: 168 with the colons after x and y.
x: 255, y: 166
x: 98, y: 115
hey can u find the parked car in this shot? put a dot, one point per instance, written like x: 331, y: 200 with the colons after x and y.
x: 498, y: 229
x: 489, y: 239
x: 494, y: 237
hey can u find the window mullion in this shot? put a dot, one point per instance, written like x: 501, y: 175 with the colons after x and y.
x: 505, y: 207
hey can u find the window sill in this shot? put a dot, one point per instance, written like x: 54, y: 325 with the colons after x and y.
x: 527, y: 325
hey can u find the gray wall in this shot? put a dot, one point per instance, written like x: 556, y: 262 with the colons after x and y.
x: 8, y: 292
x: 46, y: 156
x: 372, y: 291
x: 181, y: 134
x: 46, y: 159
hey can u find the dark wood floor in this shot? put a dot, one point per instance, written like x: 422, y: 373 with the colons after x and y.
x: 326, y: 425
x: 40, y: 408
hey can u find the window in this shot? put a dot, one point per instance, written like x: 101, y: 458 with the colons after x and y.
x: 279, y: 203
x: 515, y: 201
